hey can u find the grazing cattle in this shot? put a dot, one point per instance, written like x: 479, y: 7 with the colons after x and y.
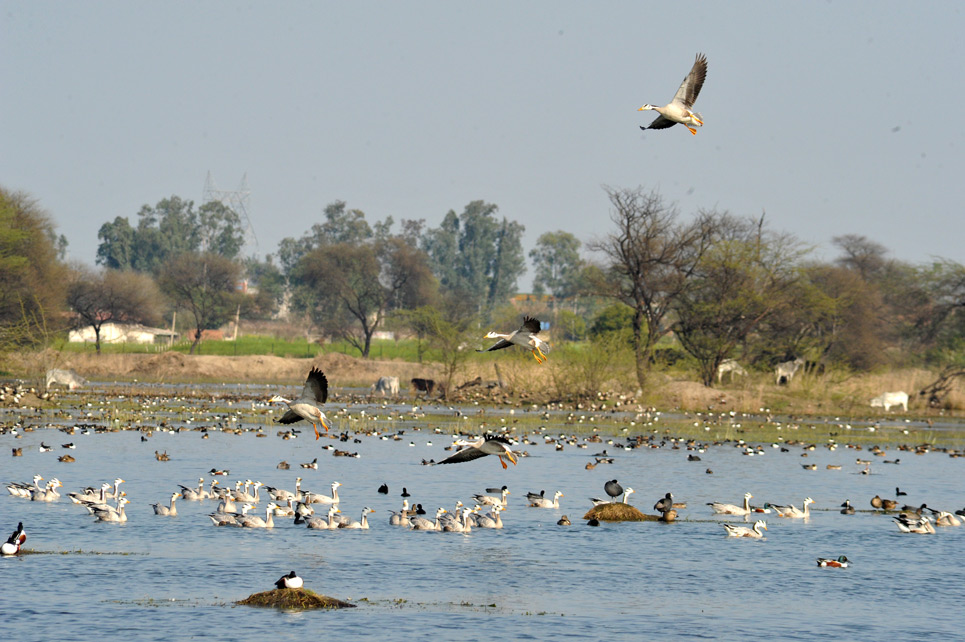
x: 67, y: 378
x: 387, y: 386
x: 423, y: 385
x: 888, y: 399
x: 731, y: 366
x: 785, y: 371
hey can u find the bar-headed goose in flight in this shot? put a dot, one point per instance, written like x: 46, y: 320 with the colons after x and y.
x: 485, y: 445
x: 525, y: 336
x: 678, y: 110
x: 307, y: 405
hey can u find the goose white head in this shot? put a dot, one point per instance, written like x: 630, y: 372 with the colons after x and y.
x: 646, y: 107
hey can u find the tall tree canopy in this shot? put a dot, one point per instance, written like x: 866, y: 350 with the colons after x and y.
x: 170, y: 228
x: 32, y: 279
x: 557, y: 262
x: 477, y: 255
x: 112, y: 296
x: 204, y: 285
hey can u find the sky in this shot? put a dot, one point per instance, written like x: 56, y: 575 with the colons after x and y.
x: 829, y: 117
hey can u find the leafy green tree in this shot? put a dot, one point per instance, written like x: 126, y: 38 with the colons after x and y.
x: 268, y: 284
x: 651, y: 257
x: 744, y: 277
x: 557, y: 262
x: 112, y: 296
x: 205, y: 285
x: 446, y: 328
x: 169, y: 229
x: 341, y: 225
x: 477, y: 255
x: 32, y: 279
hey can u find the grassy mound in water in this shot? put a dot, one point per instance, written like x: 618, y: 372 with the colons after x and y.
x: 294, y: 599
x: 619, y: 512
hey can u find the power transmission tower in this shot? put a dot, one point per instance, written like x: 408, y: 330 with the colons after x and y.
x: 238, y: 200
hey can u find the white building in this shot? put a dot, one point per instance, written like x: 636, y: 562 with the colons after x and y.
x: 122, y: 333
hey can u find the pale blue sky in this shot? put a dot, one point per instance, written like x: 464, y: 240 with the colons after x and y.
x: 834, y: 117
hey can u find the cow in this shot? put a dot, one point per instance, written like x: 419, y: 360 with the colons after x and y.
x: 731, y: 366
x: 888, y: 399
x: 67, y: 378
x: 785, y: 371
x: 423, y: 385
x: 387, y: 386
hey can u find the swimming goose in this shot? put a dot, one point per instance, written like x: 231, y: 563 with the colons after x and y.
x: 48, y: 493
x: 306, y: 406
x: 245, y: 496
x: 730, y: 509
x: 112, y: 515
x: 255, y: 521
x: 194, y: 495
x: 169, y: 511
x: 626, y: 493
x: 286, y: 511
x: 744, y: 531
x: 290, y: 581
x: 14, y: 542
x: 456, y: 526
x: 793, y: 511
x: 423, y: 524
x: 493, y: 520
x: 280, y: 494
x: 400, y: 518
x: 490, y: 500
x: 921, y: 525
x: 363, y: 523
x: 678, y: 110
x: 228, y: 518
x: 116, y: 493
x: 321, y: 524
x: 89, y: 495
x: 313, y: 498
x: 543, y: 502
x: 23, y: 489
x: 525, y: 336
x: 944, y: 518
x: 485, y: 445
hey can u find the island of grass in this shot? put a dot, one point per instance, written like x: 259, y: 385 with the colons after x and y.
x: 299, y: 599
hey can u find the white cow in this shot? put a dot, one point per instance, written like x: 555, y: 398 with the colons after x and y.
x: 387, y: 386
x: 731, y: 366
x: 787, y: 370
x: 67, y: 378
x: 888, y: 399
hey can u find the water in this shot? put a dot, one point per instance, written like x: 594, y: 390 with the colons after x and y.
x: 164, y: 578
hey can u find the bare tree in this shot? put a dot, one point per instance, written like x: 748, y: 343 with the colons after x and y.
x: 651, y: 258
x: 112, y: 296
x: 205, y: 285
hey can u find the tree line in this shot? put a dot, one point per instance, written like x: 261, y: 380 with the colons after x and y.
x: 710, y: 286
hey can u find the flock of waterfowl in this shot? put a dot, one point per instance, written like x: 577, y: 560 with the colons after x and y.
x: 237, y: 506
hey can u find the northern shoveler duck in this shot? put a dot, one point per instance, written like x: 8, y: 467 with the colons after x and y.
x: 731, y: 509
x: 834, y: 562
x: 525, y: 336
x: 290, y: 581
x: 307, y: 405
x: 14, y: 542
x: 486, y: 445
x: 743, y: 531
x: 847, y: 508
x: 679, y: 110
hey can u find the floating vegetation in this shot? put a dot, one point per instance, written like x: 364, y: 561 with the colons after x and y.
x: 294, y: 599
x: 28, y: 551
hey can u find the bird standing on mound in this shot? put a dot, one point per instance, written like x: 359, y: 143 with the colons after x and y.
x: 525, y: 336
x: 486, y: 445
x: 290, y: 581
x: 678, y: 110
x: 306, y: 406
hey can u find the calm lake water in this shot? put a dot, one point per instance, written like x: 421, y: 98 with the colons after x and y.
x: 160, y: 578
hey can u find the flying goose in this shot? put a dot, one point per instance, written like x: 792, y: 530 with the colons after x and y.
x: 307, y: 405
x: 525, y: 336
x: 678, y: 110
x: 486, y: 445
